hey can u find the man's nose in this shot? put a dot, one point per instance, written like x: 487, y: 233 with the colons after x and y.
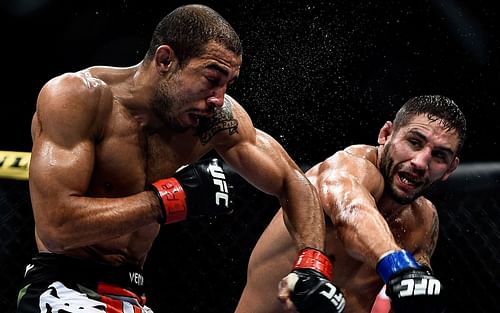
x: 217, y: 98
x: 422, y: 159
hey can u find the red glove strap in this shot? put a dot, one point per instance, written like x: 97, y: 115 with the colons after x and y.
x: 173, y: 198
x: 316, y: 260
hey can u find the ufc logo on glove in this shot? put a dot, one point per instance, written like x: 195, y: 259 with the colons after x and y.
x: 190, y: 192
x: 219, y: 180
x: 424, y: 287
x: 335, y: 297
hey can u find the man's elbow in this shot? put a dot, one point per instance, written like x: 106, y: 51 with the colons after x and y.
x: 55, y: 239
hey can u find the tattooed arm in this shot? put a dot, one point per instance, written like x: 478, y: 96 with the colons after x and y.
x: 426, y: 248
x: 263, y: 162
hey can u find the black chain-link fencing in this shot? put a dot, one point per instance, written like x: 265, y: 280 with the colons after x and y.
x: 200, y: 265
x: 467, y: 256
x: 17, y: 243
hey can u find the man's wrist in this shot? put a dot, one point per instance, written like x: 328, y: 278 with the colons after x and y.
x: 314, y: 259
x: 393, y: 262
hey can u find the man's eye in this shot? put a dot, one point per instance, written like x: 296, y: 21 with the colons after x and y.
x: 440, y: 156
x: 414, y: 142
x: 212, y: 80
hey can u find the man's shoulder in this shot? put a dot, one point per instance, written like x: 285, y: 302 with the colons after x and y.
x: 423, y: 204
x: 77, y: 98
x: 80, y: 85
x: 223, y: 124
x: 355, y: 153
x: 361, y: 150
x: 233, y: 107
x: 355, y: 161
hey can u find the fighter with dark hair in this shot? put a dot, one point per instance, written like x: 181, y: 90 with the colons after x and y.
x: 381, y: 230
x: 112, y: 161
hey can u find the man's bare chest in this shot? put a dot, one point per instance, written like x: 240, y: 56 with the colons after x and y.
x: 125, y: 163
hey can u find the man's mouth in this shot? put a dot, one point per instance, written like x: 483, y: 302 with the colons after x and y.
x: 409, y: 180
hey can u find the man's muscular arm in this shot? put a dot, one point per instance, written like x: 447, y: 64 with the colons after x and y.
x: 65, y: 127
x: 261, y: 160
x: 426, y: 243
x: 348, y: 186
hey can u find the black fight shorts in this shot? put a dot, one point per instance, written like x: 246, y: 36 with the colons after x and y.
x: 60, y: 284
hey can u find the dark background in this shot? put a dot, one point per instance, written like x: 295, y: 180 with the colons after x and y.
x: 317, y: 75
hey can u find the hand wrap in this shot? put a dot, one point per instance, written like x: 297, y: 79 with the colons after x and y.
x: 411, y: 287
x: 197, y: 190
x: 310, y: 284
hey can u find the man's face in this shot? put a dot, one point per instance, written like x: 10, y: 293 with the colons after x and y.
x: 197, y: 89
x: 416, y: 156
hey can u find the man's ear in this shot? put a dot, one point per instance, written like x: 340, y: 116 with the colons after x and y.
x: 453, y: 167
x: 384, y: 133
x: 164, y: 56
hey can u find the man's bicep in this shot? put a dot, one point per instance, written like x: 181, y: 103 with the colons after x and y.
x: 349, y: 184
x: 57, y: 175
x: 58, y: 170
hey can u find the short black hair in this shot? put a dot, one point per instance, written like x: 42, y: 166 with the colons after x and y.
x: 189, y: 28
x: 434, y: 107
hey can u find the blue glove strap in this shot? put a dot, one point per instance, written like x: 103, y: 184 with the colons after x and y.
x: 395, y: 262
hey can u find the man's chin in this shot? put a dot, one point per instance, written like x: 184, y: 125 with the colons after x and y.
x: 404, y: 200
x: 402, y: 197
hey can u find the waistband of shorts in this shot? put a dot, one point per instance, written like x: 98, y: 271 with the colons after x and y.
x: 45, y: 267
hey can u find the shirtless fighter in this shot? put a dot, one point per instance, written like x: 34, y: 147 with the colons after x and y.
x: 108, y: 144
x: 380, y: 229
